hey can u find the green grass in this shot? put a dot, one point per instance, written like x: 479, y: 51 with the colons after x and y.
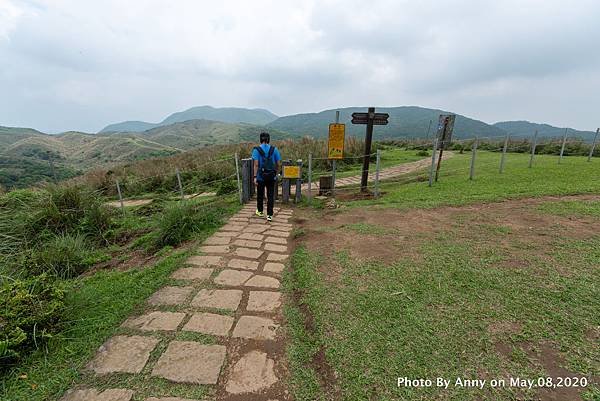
x: 574, y: 176
x: 378, y: 322
x: 96, y: 307
x: 389, y: 157
x: 571, y: 207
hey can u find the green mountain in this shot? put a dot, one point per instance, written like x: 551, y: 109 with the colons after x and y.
x: 526, y: 129
x: 406, y: 121
x: 224, y: 114
x: 25, y: 154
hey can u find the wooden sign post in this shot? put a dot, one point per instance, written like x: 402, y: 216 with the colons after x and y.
x: 444, y: 135
x: 370, y: 118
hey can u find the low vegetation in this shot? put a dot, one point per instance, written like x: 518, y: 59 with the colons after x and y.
x: 57, y: 286
x: 473, y: 291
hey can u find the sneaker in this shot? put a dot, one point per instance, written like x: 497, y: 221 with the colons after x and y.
x: 269, y: 218
x: 259, y: 214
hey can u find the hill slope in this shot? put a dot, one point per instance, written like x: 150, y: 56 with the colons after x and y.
x: 406, y: 121
x: 222, y: 114
x: 526, y: 128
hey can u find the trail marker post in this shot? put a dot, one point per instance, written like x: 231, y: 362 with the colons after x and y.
x: 533, y: 146
x: 369, y: 118
x: 593, y: 145
x: 335, y: 146
x: 432, y: 169
x: 503, y: 158
x: 562, y: 148
x: 179, y: 183
x: 444, y: 135
x: 473, y: 155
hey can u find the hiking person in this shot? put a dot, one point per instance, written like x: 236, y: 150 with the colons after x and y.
x: 267, y: 161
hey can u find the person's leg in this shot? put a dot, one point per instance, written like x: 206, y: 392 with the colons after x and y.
x: 260, y: 194
x: 270, y: 196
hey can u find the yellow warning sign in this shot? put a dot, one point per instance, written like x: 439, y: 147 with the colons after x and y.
x: 335, y: 145
x: 291, y: 172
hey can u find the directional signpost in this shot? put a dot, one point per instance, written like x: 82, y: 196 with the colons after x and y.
x: 370, y: 118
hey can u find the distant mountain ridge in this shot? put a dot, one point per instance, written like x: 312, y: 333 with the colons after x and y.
x: 404, y: 121
x: 527, y: 128
x: 232, y: 115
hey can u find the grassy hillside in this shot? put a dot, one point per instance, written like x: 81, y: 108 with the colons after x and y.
x: 525, y: 128
x: 25, y: 152
x: 222, y: 114
x: 409, y: 121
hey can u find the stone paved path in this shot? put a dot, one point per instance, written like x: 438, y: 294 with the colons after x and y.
x: 230, y: 291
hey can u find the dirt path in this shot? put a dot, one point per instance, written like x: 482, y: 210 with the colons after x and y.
x: 384, y: 174
x: 228, y: 293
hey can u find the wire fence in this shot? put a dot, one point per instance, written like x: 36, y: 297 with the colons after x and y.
x: 227, y: 174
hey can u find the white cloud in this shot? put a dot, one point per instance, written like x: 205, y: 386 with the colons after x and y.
x: 72, y: 64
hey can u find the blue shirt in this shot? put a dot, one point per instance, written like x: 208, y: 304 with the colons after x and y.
x: 256, y: 156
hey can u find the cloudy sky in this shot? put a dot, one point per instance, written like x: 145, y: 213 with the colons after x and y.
x: 82, y: 64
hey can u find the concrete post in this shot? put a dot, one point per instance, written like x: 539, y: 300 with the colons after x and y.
x: 473, y: 155
x: 179, y: 183
x: 593, y: 145
x: 533, y: 145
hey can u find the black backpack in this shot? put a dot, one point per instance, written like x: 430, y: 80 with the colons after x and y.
x: 268, y: 169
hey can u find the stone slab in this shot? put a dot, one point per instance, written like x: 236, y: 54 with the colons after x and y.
x: 264, y: 301
x: 125, y: 354
x: 209, y: 323
x: 281, y: 229
x: 153, y: 321
x: 244, y: 264
x: 205, y: 260
x: 251, y: 236
x: 255, y: 327
x: 247, y: 243
x: 262, y: 281
x: 219, y: 299
x: 281, y: 234
x: 190, y: 362
x: 276, y: 257
x: 224, y: 234
x: 170, y: 295
x: 248, y: 253
x: 256, y: 228
x: 217, y: 240
x: 232, y: 278
x: 192, y: 273
x: 274, y: 267
x: 275, y: 248
x: 276, y: 240
x: 90, y: 394
x: 252, y: 373
x: 169, y: 399
x: 220, y: 249
x: 234, y: 227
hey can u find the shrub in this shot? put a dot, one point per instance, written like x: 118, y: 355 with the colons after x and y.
x: 64, y: 256
x: 423, y: 152
x: 227, y: 187
x: 30, y: 312
x: 183, y: 219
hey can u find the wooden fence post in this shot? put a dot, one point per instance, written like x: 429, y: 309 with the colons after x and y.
x: 432, y: 169
x: 504, y: 148
x: 473, y: 155
x: 562, y: 148
x: 120, y: 196
x: 237, y: 174
x: 593, y: 145
x: 298, y: 195
x: 179, y: 183
x: 533, y: 145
